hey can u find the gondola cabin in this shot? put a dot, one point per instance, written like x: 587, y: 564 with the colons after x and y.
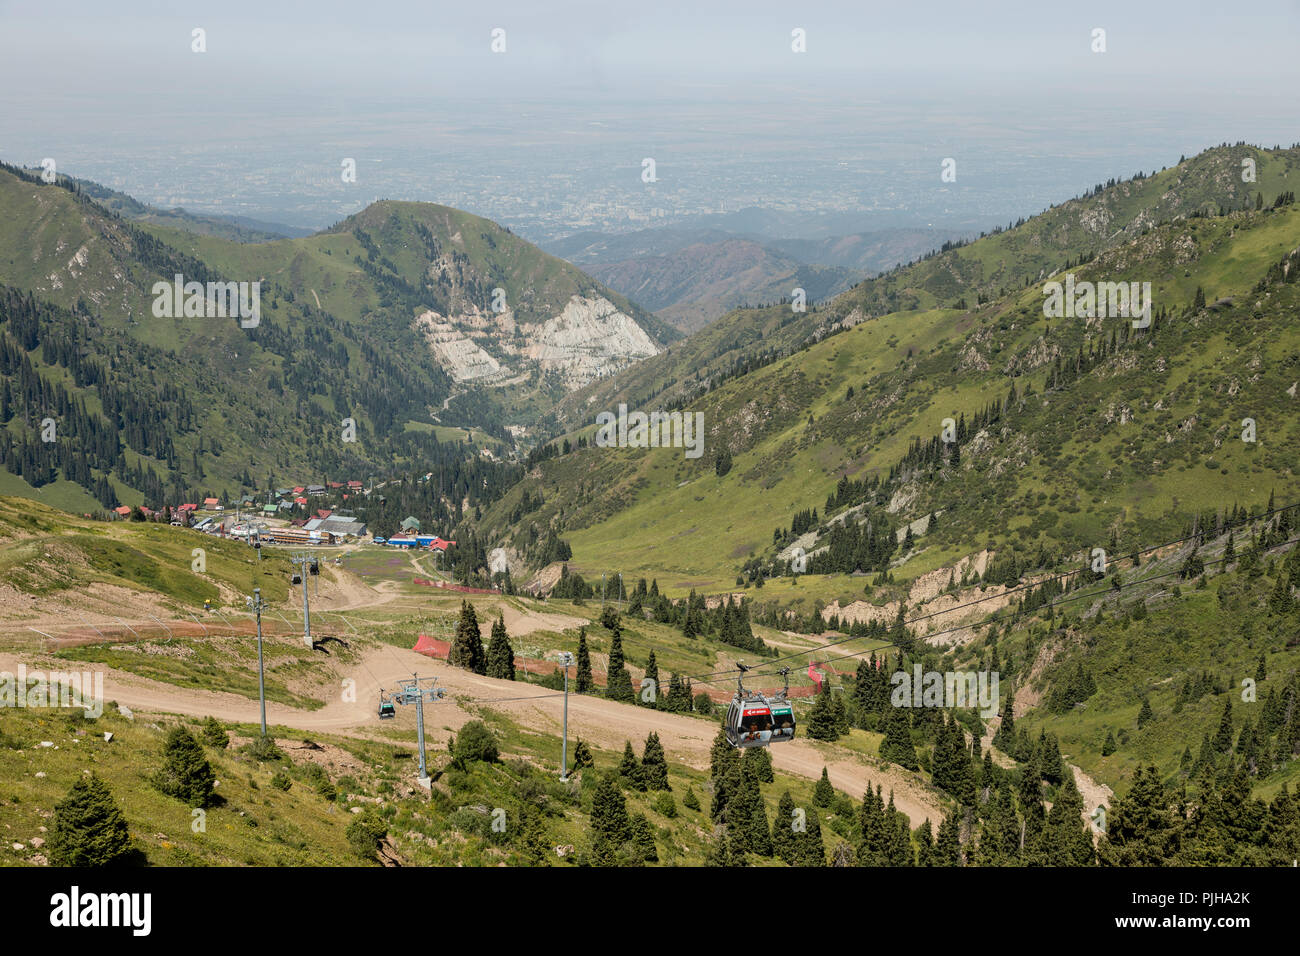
x: 782, y: 721
x: 387, y: 710
x: 749, y: 722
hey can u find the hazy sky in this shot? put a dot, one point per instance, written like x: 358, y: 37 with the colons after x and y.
x: 93, y: 81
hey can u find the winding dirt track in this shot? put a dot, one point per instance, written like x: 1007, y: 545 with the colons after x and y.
x: 604, y: 723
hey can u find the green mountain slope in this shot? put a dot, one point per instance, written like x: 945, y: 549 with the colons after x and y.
x: 1085, y: 427
x: 151, y: 408
x: 1108, y: 216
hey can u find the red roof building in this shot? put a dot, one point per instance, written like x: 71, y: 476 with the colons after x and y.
x: 212, y: 504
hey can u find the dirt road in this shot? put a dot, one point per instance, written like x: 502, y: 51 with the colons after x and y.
x: 601, y: 722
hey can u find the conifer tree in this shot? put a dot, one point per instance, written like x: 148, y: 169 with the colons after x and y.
x: 947, y: 845
x: 1109, y: 746
x: 823, y: 792
x: 821, y: 720
x: 652, y: 673
x: 1145, y: 714
x: 897, y: 747
x: 761, y: 758
x: 654, y: 764
x: 1069, y: 842
x: 722, y: 756
x: 186, y: 773
x: 630, y: 768
x: 839, y: 717
x: 1223, y: 738
x: 500, y: 661
x: 610, y: 823
x: 618, y: 682
x: 812, y: 852
x: 785, y: 844
x: 1143, y: 827
x: 583, y: 682
x: 1006, y: 726
x: 642, y: 837
x: 88, y: 829
x: 467, y: 646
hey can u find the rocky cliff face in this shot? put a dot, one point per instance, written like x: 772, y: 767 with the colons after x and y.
x: 588, y: 339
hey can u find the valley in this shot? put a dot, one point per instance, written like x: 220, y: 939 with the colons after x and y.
x: 922, y: 470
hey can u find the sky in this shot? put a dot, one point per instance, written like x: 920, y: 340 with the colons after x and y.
x: 94, y: 81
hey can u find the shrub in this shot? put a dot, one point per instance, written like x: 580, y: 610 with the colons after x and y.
x: 262, y: 748
x: 365, y: 834
x: 213, y: 734
x: 703, y: 704
x: 475, y: 742
x: 280, y: 780
x: 664, y: 805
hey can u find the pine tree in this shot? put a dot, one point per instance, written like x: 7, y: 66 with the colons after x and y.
x: 1068, y: 841
x: 500, y: 655
x: 1143, y: 827
x: 610, y: 823
x: 947, y: 846
x: 630, y: 769
x: 761, y: 758
x: 1006, y: 726
x: 652, y: 673
x: 186, y: 773
x: 812, y: 852
x: 1109, y: 746
x: 722, y: 756
x: 785, y: 844
x: 1223, y: 738
x: 88, y: 829
x: 583, y: 682
x: 1145, y: 715
x: 821, y: 720
x: 618, y: 682
x: 839, y: 717
x: 642, y: 837
x: 654, y: 764
x: 897, y: 747
x: 823, y: 792
x: 467, y: 646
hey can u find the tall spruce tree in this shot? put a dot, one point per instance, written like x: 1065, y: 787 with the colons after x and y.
x: 822, y: 724
x: 582, y: 679
x: 654, y: 764
x: 500, y: 655
x: 618, y: 682
x: 823, y: 792
x: 467, y: 645
x: 785, y: 843
x: 897, y: 747
x: 610, y: 824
